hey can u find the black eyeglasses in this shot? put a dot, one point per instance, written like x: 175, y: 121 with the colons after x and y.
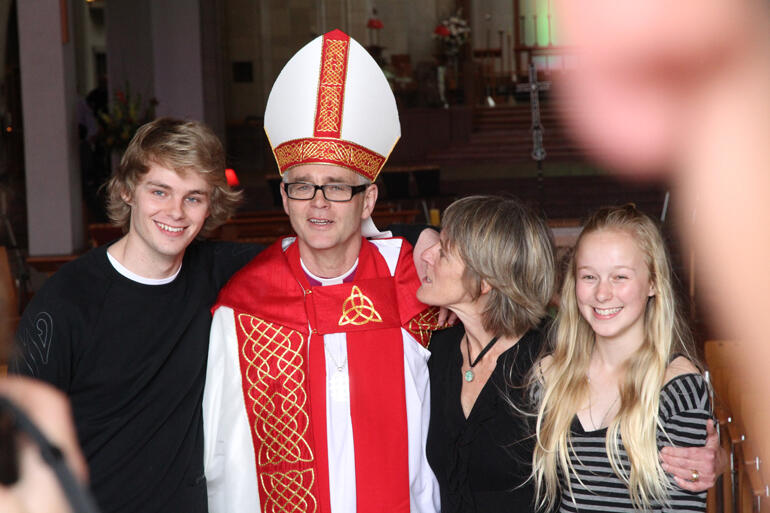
x: 339, y: 192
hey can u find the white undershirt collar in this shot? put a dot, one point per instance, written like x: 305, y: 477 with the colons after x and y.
x: 140, y: 279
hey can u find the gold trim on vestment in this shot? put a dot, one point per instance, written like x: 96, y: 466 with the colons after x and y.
x: 276, y: 385
x: 288, y: 492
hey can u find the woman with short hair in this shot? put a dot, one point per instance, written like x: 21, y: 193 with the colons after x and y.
x: 494, y: 268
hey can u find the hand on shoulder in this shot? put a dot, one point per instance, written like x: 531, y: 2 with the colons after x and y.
x: 694, y: 468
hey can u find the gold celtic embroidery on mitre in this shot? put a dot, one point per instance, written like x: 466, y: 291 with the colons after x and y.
x: 358, y: 309
x: 331, y: 86
x: 343, y: 153
x: 276, y: 379
x: 289, y: 491
x: 330, y: 101
x: 334, y: 64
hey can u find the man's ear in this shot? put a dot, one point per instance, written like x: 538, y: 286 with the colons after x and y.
x: 370, y: 198
x: 284, y: 198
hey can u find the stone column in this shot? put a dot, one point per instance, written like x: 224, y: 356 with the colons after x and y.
x: 130, y: 60
x: 178, y: 70
x: 46, y: 52
x: 157, y: 47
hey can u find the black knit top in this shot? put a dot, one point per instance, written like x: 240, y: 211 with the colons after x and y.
x: 482, y: 463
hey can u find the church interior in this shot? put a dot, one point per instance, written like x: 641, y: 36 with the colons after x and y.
x: 476, y: 84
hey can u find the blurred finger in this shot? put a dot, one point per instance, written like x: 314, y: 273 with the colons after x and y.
x: 712, y: 438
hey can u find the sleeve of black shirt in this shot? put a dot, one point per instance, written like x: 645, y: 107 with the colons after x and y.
x: 229, y: 257
x: 411, y: 232
x: 43, y: 346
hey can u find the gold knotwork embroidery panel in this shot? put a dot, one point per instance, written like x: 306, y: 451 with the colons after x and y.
x: 276, y: 381
x: 331, y: 86
x: 343, y: 153
x: 287, y: 492
x: 423, y: 324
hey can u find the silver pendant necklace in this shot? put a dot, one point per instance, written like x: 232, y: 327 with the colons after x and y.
x: 604, y: 417
x: 339, y: 382
x: 339, y: 366
x: 468, y: 375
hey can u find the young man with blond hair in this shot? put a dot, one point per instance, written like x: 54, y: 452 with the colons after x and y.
x: 123, y: 330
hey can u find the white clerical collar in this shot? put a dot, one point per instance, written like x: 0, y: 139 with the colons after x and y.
x: 140, y: 279
x: 329, y: 281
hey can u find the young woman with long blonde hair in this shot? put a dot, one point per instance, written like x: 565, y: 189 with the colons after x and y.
x: 621, y: 381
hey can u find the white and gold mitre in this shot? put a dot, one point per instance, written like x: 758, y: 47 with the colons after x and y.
x: 332, y: 104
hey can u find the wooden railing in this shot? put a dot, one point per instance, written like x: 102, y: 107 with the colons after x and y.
x: 263, y: 226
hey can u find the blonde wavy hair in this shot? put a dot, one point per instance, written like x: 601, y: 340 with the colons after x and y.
x: 564, y: 388
x: 183, y: 146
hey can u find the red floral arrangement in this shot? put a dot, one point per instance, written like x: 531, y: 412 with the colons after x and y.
x: 453, y: 33
x: 125, y: 115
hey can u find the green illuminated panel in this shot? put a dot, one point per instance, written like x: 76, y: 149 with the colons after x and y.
x: 536, y: 11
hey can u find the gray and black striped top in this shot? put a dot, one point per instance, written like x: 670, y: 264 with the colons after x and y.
x: 684, y: 411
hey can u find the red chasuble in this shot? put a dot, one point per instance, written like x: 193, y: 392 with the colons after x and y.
x: 280, y: 321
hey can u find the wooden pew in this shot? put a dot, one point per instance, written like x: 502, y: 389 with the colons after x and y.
x: 427, y: 178
x: 49, y: 264
x: 755, y: 470
x: 259, y: 226
x: 384, y: 206
x: 718, y: 359
x: 102, y: 233
x: 9, y: 315
x: 257, y: 229
x: 749, y: 476
x: 266, y: 229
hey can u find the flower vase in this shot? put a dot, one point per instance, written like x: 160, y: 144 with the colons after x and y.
x: 441, y: 82
x: 452, y: 76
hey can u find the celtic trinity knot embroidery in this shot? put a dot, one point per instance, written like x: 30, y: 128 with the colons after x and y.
x: 358, y: 309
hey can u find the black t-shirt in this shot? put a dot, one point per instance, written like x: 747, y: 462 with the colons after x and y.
x: 132, y: 359
x: 482, y: 463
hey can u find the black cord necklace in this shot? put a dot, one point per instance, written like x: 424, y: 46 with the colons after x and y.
x: 468, y: 375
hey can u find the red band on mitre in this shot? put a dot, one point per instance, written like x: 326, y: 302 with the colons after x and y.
x: 329, y: 151
x: 331, y: 85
